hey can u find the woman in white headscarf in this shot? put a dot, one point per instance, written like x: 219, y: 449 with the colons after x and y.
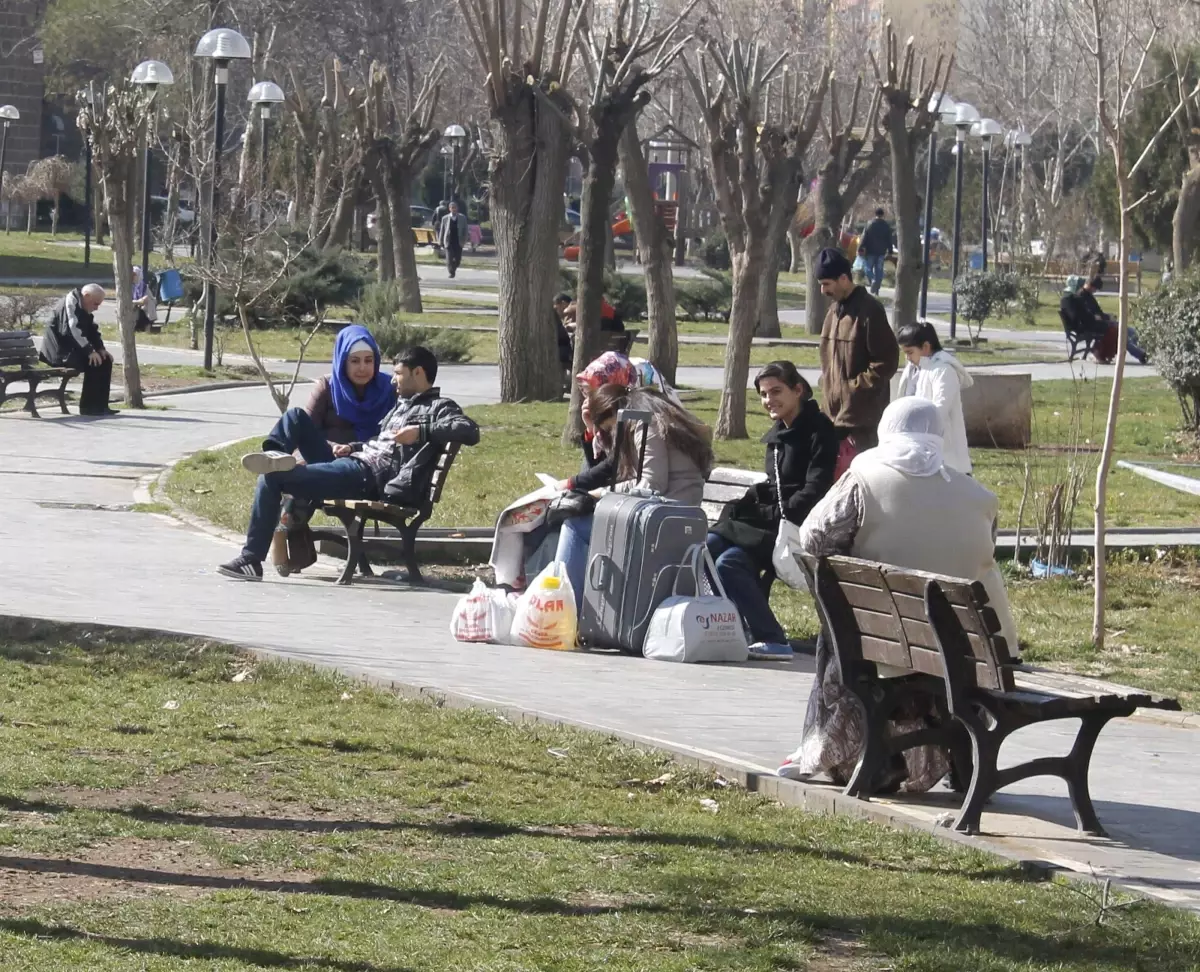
x: 898, y: 504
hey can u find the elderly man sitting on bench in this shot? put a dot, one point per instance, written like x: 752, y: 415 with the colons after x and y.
x: 396, y: 466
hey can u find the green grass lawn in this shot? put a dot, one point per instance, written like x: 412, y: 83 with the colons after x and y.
x: 43, y: 255
x: 168, y: 803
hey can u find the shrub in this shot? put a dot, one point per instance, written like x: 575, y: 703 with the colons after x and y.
x: 396, y: 334
x: 20, y: 312
x: 627, y: 295
x: 379, y: 312
x: 1168, y: 323
x: 982, y: 294
x: 318, y: 280
x: 714, y: 251
x: 705, y: 299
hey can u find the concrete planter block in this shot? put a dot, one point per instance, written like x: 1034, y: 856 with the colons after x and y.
x: 998, y: 411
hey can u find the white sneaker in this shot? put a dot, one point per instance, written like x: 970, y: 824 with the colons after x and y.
x: 261, y: 463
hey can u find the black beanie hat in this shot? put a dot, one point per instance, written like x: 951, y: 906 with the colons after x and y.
x: 831, y: 264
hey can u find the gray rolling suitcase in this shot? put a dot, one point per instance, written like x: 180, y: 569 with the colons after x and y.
x: 638, y: 543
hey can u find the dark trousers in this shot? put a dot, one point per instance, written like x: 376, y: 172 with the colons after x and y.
x: 740, y: 577
x: 321, y: 477
x: 453, y: 258
x: 97, y: 380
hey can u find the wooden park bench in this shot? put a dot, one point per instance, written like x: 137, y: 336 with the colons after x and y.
x: 19, y: 363
x: 354, y: 515
x: 938, y: 639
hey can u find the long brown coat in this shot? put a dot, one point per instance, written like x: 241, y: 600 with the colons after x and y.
x: 859, y: 356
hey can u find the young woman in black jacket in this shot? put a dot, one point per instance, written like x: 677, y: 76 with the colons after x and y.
x: 802, y: 451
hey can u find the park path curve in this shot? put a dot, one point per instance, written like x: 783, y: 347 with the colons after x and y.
x: 71, y: 550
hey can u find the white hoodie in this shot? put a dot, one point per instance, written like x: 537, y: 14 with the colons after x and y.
x: 940, y: 379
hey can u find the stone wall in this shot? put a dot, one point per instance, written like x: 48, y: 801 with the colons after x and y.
x: 22, y: 82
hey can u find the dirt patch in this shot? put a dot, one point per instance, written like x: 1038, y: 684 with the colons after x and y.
x: 130, y: 868
x: 836, y: 953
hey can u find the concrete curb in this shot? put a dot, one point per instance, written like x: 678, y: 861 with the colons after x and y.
x: 212, y: 386
x: 808, y: 797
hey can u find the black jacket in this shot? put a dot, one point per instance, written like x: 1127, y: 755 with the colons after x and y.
x: 596, y: 471
x: 71, y: 333
x: 1091, y: 315
x: 402, y: 473
x: 807, y: 454
x: 876, y: 238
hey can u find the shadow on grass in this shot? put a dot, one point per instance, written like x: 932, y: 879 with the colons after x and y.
x: 174, y: 948
x: 944, y: 936
x: 474, y: 828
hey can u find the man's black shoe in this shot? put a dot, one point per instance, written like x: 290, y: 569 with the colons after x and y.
x: 242, y: 568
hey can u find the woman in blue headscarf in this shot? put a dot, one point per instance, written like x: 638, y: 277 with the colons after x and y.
x: 348, y: 405
x: 344, y: 411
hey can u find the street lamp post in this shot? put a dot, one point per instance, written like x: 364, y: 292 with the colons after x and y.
x: 264, y: 94
x: 964, y: 117
x: 1020, y: 140
x: 986, y: 129
x: 8, y: 115
x: 456, y: 135
x: 222, y: 45
x: 942, y: 105
x: 150, y: 75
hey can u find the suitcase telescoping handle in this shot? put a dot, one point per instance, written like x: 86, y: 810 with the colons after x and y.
x: 625, y: 416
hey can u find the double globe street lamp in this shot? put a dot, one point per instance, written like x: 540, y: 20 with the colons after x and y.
x: 8, y: 115
x: 985, y: 130
x: 150, y: 75
x: 963, y: 118
x: 220, y: 45
x: 263, y: 95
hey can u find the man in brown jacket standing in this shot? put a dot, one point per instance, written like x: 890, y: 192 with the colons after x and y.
x: 859, y: 353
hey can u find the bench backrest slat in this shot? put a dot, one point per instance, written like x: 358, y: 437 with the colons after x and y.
x: 441, y: 470
x: 877, y: 613
x: 17, y: 349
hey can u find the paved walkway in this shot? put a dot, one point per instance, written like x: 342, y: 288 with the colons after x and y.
x: 107, y: 566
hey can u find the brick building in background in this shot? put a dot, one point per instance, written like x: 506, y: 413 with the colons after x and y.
x: 22, y: 79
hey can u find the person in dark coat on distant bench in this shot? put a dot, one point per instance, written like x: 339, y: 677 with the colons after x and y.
x: 72, y: 340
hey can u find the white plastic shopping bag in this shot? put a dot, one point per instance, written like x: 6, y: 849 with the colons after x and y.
x: 700, y: 627
x: 484, y: 615
x: 545, y: 615
x: 787, y: 544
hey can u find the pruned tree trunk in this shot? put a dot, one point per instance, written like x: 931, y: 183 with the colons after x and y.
x: 342, y: 221
x: 768, y: 299
x: 386, y: 265
x: 1186, y: 221
x: 528, y: 169
x: 404, y: 254
x: 654, y: 254
x: 796, y: 245
x: 907, y: 120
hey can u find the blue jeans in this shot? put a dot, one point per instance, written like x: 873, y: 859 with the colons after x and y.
x: 296, y: 430
x: 324, y: 477
x: 740, y: 577
x: 874, y: 269
x: 573, y: 542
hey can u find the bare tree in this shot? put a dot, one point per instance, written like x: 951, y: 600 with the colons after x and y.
x: 396, y: 137
x: 654, y: 246
x: 907, y: 120
x: 756, y: 168
x: 529, y: 113
x: 53, y: 177
x: 853, y: 158
x: 617, y: 81
x: 115, y: 124
x: 249, y: 268
x: 1118, y: 35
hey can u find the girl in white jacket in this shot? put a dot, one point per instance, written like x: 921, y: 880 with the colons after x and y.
x: 938, y: 376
